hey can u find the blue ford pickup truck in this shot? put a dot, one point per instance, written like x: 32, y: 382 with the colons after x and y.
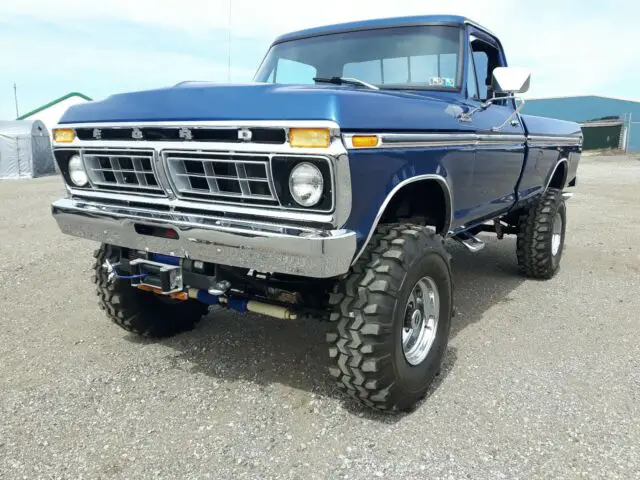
x: 326, y: 189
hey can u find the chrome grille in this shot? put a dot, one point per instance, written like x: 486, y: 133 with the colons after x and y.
x: 128, y: 171
x: 230, y: 177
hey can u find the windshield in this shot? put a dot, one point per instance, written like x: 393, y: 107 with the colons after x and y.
x: 404, y: 58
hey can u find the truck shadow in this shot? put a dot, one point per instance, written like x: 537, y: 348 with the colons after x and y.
x: 235, y: 347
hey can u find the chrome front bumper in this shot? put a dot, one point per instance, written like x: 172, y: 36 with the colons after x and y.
x: 266, y: 247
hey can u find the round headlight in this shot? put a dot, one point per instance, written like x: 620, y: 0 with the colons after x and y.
x: 76, y: 172
x: 306, y: 184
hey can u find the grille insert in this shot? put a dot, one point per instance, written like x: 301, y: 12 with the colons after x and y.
x: 222, y: 176
x: 122, y: 171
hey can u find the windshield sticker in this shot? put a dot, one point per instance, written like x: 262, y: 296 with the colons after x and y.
x: 442, y: 82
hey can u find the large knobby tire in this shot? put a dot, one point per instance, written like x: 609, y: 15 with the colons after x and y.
x: 140, y: 312
x: 541, y: 232
x: 371, y: 311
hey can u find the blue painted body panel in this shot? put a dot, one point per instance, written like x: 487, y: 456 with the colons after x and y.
x: 478, y: 191
x: 496, y: 169
x: 379, y: 171
x: 353, y: 109
x: 541, y: 161
x: 550, y: 126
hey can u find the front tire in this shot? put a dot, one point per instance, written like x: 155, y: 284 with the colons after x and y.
x: 140, y: 312
x: 392, y: 317
x: 541, y: 233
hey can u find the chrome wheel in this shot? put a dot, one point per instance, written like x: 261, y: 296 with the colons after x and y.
x: 421, y: 321
x: 556, y: 237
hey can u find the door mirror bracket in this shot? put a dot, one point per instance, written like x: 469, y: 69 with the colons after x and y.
x: 468, y: 116
x: 512, y: 117
x: 509, y: 80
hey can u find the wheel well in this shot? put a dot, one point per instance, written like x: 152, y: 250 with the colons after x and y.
x: 559, y: 176
x: 424, y: 200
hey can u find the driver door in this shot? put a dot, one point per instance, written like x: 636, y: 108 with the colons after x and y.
x: 500, y: 154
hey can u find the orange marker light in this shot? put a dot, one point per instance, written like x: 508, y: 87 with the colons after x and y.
x: 364, y: 141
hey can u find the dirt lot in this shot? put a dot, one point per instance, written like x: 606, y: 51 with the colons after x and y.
x: 542, y: 379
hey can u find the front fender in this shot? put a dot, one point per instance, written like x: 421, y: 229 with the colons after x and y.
x: 377, y: 175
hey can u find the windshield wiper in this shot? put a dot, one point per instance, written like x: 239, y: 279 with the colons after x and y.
x: 345, y: 80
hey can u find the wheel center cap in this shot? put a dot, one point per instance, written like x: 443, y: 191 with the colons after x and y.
x: 416, y: 319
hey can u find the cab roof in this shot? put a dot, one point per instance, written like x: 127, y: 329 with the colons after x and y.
x: 381, y: 23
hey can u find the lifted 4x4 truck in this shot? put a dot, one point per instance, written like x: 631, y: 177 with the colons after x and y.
x: 326, y: 189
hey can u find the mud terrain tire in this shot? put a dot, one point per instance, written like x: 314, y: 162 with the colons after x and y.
x: 370, y: 317
x: 541, y: 232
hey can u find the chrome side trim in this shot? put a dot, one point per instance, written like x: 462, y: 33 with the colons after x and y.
x: 436, y: 140
x: 500, y: 139
x: 553, y: 172
x: 448, y: 199
x: 550, y: 141
x: 266, y: 247
x: 441, y: 140
x: 403, y: 140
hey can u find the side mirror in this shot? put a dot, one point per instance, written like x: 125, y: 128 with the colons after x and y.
x: 511, y: 80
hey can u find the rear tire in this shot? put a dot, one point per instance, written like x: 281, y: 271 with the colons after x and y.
x: 372, y: 355
x: 541, y: 232
x: 140, y: 312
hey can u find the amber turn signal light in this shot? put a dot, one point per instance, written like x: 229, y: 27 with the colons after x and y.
x: 310, y: 137
x: 64, y: 135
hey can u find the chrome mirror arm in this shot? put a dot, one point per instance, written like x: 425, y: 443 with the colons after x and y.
x: 512, y: 116
x: 468, y: 116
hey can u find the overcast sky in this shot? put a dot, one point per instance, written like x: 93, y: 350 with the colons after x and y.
x: 52, y: 47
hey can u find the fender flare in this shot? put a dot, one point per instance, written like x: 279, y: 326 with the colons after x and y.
x: 553, y: 172
x: 448, y: 199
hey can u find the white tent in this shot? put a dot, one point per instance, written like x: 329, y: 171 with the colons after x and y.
x: 25, y: 150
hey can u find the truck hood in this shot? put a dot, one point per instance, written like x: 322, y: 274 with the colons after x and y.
x: 351, y: 108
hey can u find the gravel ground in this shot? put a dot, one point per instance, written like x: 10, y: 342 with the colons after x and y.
x: 541, y: 379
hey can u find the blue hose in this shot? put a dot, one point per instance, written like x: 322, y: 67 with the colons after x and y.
x: 130, y: 277
x: 125, y: 277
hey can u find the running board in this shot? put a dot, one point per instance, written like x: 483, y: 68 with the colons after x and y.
x: 473, y: 243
